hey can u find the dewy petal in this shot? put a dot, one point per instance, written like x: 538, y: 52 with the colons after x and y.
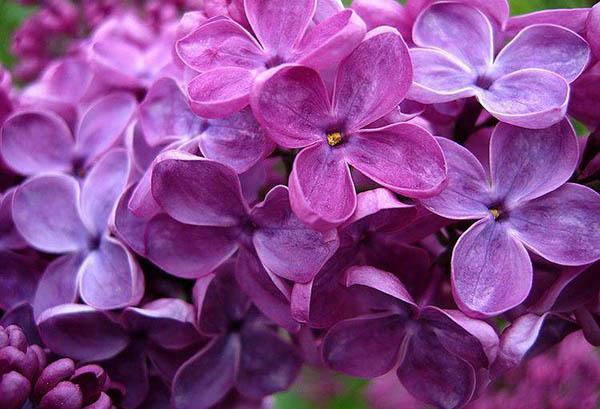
x: 198, y: 191
x: 491, y: 270
x: 35, y: 142
x: 467, y: 194
x: 206, y: 378
x: 332, y: 40
x: 237, y: 141
x: 110, y: 277
x: 435, y: 376
x: 284, y: 244
x: 268, y: 364
x: 58, y: 285
x: 220, y: 92
x: 165, y: 113
x: 530, y: 98
x: 102, y: 187
x: 220, y: 43
x: 459, y: 29
x: 321, y: 189
x: 81, y: 332
x: 403, y: 157
x: 103, y: 123
x: 545, y: 46
x: 185, y: 250
x: 366, y: 347
x: 372, y: 80
x: 46, y: 213
x: 528, y: 163
x: 562, y: 226
x: 292, y: 104
x: 279, y: 25
x: 439, y: 77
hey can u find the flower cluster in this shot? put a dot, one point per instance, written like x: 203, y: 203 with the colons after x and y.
x: 202, y: 203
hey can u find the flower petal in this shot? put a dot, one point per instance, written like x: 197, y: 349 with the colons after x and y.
x: 58, y: 285
x: 403, y: 157
x: 372, y: 80
x: 530, y: 98
x: 491, y: 270
x: 593, y: 30
x: 321, y: 189
x: 573, y: 19
x: 562, y: 226
x: 46, y: 213
x: 379, y: 280
x: 19, y: 276
x: 528, y: 163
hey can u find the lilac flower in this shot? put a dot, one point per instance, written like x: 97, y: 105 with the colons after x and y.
x: 527, y: 84
x: 245, y: 351
x: 34, y: 141
x: 228, y: 58
x: 444, y: 353
x: 528, y: 204
x: 55, y: 215
x: 572, y: 18
x: 293, y: 105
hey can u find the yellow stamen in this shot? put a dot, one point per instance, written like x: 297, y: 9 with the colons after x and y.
x: 334, y: 138
x: 495, y: 212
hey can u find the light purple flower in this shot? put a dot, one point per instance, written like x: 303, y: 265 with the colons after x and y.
x: 228, y: 58
x: 442, y: 354
x: 527, y: 84
x: 527, y: 204
x: 54, y: 214
x: 294, y: 106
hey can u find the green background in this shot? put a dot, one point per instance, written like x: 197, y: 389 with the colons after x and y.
x: 350, y: 390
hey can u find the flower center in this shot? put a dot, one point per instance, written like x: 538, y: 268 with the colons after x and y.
x: 495, y: 213
x: 334, y: 138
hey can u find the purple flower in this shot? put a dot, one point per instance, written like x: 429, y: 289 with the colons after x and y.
x: 228, y: 58
x: 442, y: 355
x: 527, y: 84
x: 56, y: 215
x: 245, y: 351
x: 572, y: 18
x: 585, y: 91
x: 294, y: 106
x: 593, y: 30
x: 527, y: 204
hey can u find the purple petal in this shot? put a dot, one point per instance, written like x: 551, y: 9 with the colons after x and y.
x: 220, y: 43
x: 593, y: 30
x: 378, y: 13
x: 467, y: 194
x: 81, y: 333
x: 372, y: 80
x: 103, y: 123
x: 292, y: 104
x: 548, y: 47
x: 187, y: 251
x: 440, y: 77
x: 435, y: 376
x: 491, y: 270
x: 207, y: 377
x: 110, y: 277
x: 19, y: 276
x: 65, y: 395
x: 366, y: 346
x: 528, y: 163
x: 129, y: 228
x: 46, y: 213
x: 562, y: 226
x: 326, y: 9
x: 130, y: 361
x: 119, y: 63
x: 268, y: 364
x: 284, y: 244
x: 584, y: 91
x: 573, y: 19
x: 165, y: 113
x: 197, y: 191
x: 279, y: 25
x: 10, y: 239
x: 58, y: 285
x: 35, y: 142
x: 530, y: 98
x: 445, y: 26
x: 321, y: 189
x: 403, y: 157
x: 379, y: 280
x: 220, y: 92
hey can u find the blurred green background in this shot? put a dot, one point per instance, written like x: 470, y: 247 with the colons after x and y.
x: 340, y: 392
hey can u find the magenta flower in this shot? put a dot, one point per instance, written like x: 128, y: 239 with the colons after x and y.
x: 527, y: 84
x: 528, y: 204
x: 294, y: 106
x: 442, y: 355
x: 228, y: 58
x: 56, y: 215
